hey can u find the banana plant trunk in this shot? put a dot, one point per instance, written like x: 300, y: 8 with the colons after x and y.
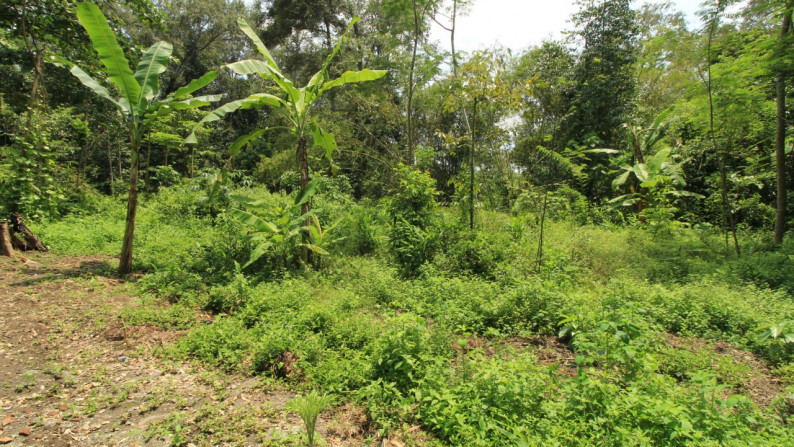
x: 125, y: 263
x: 303, y: 166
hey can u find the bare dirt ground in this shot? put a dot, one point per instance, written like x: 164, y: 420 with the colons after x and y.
x: 71, y: 374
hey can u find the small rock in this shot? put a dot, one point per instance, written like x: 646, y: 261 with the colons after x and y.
x: 25, y: 431
x: 7, y: 420
x: 5, y: 440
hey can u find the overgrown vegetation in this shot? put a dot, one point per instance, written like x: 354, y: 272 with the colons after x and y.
x: 574, y: 249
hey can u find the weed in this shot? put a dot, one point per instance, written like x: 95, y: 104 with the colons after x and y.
x: 308, y: 408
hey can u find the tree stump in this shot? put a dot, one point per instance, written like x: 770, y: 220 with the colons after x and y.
x: 6, y: 249
x: 30, y: 239
x: 15, y: 235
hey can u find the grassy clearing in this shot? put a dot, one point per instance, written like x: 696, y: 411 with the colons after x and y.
x: 659, y: 326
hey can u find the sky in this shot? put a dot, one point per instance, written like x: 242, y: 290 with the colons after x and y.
x: 517, y: 24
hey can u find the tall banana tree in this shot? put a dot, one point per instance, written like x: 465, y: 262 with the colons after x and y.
x: 138, y: 101
x: 298, y: 104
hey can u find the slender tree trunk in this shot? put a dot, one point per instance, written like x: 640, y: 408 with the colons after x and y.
x: 542, y: 226
x: 148, y: 165
x: 110, y: 166
x: 303, y: 166
x: 38, y: 89
x: 728, y: 209
x: 465, y: 114
x: 471, y: 167
x: 125, y: 262
x: 729, y: 221
x: 411, y: 142
x: 780, y: 144
x: 81, y: 169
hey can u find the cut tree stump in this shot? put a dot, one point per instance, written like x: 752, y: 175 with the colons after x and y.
x: 15, y: 235
x: 30, y: 239
x: 6, y: 249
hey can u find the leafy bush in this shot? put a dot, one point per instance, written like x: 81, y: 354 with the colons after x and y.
x: 476, y: 253
x: 411, y: 208
x: 769, y: 268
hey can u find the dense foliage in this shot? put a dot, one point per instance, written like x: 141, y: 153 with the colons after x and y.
x: 558, y: 246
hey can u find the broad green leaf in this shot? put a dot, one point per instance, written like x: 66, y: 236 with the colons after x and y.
x: 306, y: 194
x: 91, y: 83
x: 258, y: 223
x: 272, y: 66
x: 192, y: 103
x: 258, y: 252
x: 300, y: 103
x: 249, y: 67
x: 620, y: 180
x: 316, y: 249
x: 324, y: 139
x: 657, y: 161
x: 256, y: 101
x: 602, y: 151
x: 246, y: 28
x: 152, y: 65
x: 110, y: 53
x: 640, y: 171
x: 160, y: 109
x: 194, y: 85
x: 350, y: 77
x: 300, y: 219
x: 238, y: 144
x: 338, y: 45
x: 249, y: 202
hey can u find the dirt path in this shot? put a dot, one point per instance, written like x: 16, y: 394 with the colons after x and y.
x: 71, y: 374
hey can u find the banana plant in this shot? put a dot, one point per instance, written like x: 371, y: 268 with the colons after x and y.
x: 297, y: 102
x: 661, y: 175
x: 274, y: 226
x: 138, y: 100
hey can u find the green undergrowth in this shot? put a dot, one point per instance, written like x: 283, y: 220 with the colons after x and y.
x: 429, y: 331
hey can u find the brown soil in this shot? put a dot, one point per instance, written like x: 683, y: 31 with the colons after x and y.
x: 72, y: 374
x: 758, y: 382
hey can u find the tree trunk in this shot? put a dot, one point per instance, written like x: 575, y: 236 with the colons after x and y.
x: 542, y: 225
x: 471, y: 167
x: 780, y: 144
x: 411, y: 142
x: 303, y: 166
x: 148, y: 165
x: 110, y: 166
x: 5, y: 241
x: 465, y: 114
x: 729, y: 222
x: 125, y: 262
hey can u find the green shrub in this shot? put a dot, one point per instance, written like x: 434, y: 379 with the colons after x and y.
x: 400, y: 356
x: 476, y: 253
x: 772, y: 269
x: 411, y: 208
